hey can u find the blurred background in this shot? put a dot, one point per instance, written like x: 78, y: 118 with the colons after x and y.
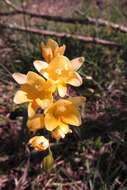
x: 94, y: 156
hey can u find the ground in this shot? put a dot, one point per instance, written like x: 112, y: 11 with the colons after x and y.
x: 94, y: 156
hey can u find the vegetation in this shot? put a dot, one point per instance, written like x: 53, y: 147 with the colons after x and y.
x: 94, y: 156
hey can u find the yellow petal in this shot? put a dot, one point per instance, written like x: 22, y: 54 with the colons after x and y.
x: 20, y: 78
x: 60, y: 62
x: 61, y: 131
x: 44, y: 103
x: 40, y: 65
x: 45, y: 74
x: 62, y: 89
x: 78, y: 100
x: 52, y: 44
x: 59, y: 50
x: 20, y: 97
x: 76, y: 80
x: 50, y: 122
x: 64, y: 128
x: 36, y: 122
x: 32, y: 77
x: 39, y: 143
x: 62, y: 49
x: 51, y: 86
x: 48, y: 50
x: 32, y: 107
x: 47, y: 53
x: 72, y: 118
x: 77, y: 63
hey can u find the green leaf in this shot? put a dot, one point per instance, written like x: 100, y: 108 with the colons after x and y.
x: 77, y: 131
x: 98, y: 143
x: 48, y: 161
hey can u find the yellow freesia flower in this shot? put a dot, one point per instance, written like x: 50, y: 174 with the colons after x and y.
x: 39, y: 143
x: 61, y: 131
x: 36, y: 122
x: 62, y: 71
x: 51, y: 50
x: 35, y: 90
x: 61, y: 114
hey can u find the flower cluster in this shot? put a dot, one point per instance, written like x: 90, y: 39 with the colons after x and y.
x: 49, y: 105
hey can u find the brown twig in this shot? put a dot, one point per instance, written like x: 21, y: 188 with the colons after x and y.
x: 65, y: 184
x: 87, y: 39
x: 6, y: 69
x: 22, y: 183
x: 87, y: 20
